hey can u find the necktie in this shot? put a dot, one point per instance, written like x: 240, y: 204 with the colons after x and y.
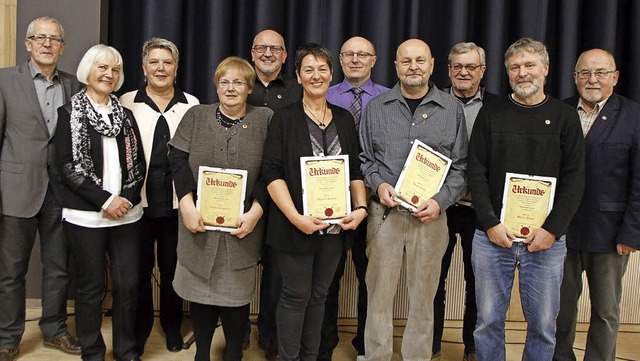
x: 356, y: 105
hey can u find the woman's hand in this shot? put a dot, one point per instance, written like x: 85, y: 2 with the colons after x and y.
x: 191, y: 218
x: 118, y: 207
x: 353, y: 219
x: 247, y: 221
x: 308, y: 224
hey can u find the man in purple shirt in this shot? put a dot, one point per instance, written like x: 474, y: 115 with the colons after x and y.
x: 357, y: 57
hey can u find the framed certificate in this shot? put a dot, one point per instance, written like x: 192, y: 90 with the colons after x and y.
x: 221, y: 194
x: 526, y: 202
x: 325, y: 187
x: 422, y: 176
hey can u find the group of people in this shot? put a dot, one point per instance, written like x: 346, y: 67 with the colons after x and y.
x: 121, y: 174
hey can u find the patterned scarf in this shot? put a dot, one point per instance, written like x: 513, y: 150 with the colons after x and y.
x: 83, y: 114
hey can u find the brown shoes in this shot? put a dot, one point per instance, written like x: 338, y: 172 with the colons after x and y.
x: 8, y: 354
x: 67, y: 344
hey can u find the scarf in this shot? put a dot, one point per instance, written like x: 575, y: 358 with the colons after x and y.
x: 82, y: 115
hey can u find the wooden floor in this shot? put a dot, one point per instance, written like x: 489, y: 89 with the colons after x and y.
x: 31, y: 347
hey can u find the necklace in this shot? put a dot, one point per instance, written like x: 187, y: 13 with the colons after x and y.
x: 226, y: 121
x: 316, y: 120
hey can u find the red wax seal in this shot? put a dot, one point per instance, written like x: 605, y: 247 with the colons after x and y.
x: 220, y: 220
x: 524, y: 231
x: 328, y: 212
x: 415, y: 199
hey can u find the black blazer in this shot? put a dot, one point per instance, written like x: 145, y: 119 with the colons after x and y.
x: 610, y: 209
x: 287, y: 140
x: 80, y: 192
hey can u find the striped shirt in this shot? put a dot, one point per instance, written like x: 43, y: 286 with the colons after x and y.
x: 388, y: 129
x: 587, y: 118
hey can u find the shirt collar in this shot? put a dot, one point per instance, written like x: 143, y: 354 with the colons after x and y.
x: 346, y: 86
x: 479, y: 94
x: 35, y: 72
x: 597, y: 108
x: 143, y: 97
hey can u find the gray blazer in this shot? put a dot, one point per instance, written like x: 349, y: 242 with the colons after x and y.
x: 27, y: 160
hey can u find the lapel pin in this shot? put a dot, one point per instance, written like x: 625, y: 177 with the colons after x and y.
x: 547, y: 122
x: 279, y: 96
x: 244, y: 126
x: 604, y: 117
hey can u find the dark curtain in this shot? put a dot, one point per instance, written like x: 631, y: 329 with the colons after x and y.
x: 208, y: 31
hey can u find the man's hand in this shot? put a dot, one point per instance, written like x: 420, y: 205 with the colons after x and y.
x: 501, y: 236
x: 118, y: 207
x: 624, y: 250
x: 539, y: 240
x: 428, y: 211
x: 387, y: 195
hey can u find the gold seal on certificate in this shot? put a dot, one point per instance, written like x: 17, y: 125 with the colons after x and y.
x: 422, y: 176
x: 325, y: 187
x: 221, y: 195
x: 526, y: 202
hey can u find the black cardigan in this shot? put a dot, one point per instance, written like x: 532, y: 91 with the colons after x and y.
x: 78, y: 191
x: 287, y: 140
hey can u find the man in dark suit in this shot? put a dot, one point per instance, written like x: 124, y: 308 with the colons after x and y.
x: 606, y: 228
x: 29, y: 97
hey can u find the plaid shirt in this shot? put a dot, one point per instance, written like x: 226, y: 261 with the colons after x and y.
x: 587, y: 118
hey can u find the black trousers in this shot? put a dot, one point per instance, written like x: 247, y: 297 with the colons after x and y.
x: 160, y: 233
x: 17, y: 237
x: 89, y: 249
x: 205, y: 321
x: 329, y: 338
x: 460, y: 220
x: 270, y: 290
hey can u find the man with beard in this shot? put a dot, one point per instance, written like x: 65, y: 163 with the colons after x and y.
x: 467, y: 63
x: 357, y: 58
x: 413, y: 109
x: 606, y: 227
x: 533, y: 134
x: 275, y: 90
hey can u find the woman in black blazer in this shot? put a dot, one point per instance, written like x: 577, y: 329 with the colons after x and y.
x: 308, y: 248
x: 102, y: 167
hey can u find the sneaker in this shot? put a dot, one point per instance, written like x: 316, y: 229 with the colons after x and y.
x: 8, y: 354
x: 67, y: 344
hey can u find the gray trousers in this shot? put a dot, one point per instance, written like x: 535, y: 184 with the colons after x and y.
x: 400, y: 238
x: 604, y: 275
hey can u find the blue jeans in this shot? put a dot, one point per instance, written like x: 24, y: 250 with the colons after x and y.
x: 540, y: 280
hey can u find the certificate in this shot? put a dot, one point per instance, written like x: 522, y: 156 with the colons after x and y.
x: 325, y: 187
x: 221, y: 194
x: 422, y: 176
x: 526, y: 202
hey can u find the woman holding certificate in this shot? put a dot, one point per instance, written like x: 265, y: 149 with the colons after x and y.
x: 308, y: 246
x: 103, y: 168
x: 217, y: 260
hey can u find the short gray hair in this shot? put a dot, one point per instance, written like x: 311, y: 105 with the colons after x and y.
x: 463, y: 48
x: 529, y: 45
x: 47, y: 19
x: 159, y: 43
x: 95, y: 54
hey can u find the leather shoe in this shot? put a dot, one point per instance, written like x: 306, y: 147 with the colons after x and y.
x: 67, y: 344
x: 8, y: 354
x: 174, y: 340
x: 271, y: 350
x: 436, y: 356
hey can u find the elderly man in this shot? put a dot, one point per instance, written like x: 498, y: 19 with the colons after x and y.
x: 606, y: 227
x: 467, y: 63
x: 413, y: 109
x: 275, y: 90
x: 357, y: 58
x: 533, y: 134
x: 30, y: 95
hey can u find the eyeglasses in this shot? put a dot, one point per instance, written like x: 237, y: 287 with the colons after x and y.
x: 40, y: 39
x: 600, y: 74
x: 348, y: 55
x: 235, y: 84
x: 275, y: 49
x: 470, y: 67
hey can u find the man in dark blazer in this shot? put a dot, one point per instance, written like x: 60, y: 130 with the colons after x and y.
x: 606, y: 228
x: 29, y: 97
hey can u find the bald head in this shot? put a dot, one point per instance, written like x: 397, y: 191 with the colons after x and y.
x: 595, y: 76
x: 268, y: 53
x: 599, y: 54
x: 414, y: 65
x: 268, y: 37
x: 357, y: 57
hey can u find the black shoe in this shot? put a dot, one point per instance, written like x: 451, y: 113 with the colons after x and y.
x: 174, y: 340
x: 67, y: 344
x: 8, y: 354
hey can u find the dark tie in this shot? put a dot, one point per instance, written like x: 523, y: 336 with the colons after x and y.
x: 356, y: 105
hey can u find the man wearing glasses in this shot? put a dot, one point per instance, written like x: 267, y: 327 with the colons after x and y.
x: 275, y: 90
x: 30, y: 95
x: 467, y: 63
x: 606, y: 227
x: 357, y: 58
